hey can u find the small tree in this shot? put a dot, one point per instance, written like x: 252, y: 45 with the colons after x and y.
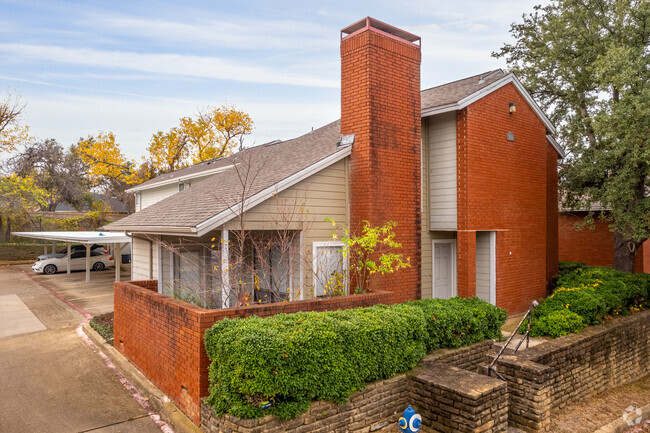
x: 12, y: 133
x: 372, y: 252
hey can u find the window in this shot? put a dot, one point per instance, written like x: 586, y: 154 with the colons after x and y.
x: 181, y: 186
x: 330, y: 269
x: 189, y: 273
x: 137, y: 201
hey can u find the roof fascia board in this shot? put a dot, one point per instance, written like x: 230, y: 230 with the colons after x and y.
x: 159, y: 230
x: 108, y: 238
x: 468, y: 100
x: 143, y: 187
x: 556, y: 145
x: 228, y: 214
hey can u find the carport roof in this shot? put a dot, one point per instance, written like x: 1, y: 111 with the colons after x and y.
x: 80, y: 237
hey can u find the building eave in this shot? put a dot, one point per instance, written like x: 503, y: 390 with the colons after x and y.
x: 470, y: 99
x: 228, y: 214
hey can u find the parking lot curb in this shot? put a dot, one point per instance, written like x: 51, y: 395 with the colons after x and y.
x: 168, y: 411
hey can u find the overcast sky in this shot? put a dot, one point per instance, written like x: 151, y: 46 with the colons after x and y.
x: 136, y: 67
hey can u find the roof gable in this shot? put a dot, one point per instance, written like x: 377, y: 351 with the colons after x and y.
x: 459, y: 94
x: 254, y: 175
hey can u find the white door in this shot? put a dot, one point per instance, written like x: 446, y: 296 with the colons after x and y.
x: 444, y: 268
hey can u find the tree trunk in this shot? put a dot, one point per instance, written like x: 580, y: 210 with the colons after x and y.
x: 8, y: 235
x: 624, y: 253
x: 1, y: 227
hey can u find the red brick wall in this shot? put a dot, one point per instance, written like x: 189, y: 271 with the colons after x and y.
x: 502, y: 186
x: 594, y: 247
x: 380, y: 104
x: 163, y: 336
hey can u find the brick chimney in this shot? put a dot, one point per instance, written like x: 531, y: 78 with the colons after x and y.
x: 380, y: 105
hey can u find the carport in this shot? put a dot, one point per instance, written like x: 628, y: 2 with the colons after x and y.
x: 117, y: 240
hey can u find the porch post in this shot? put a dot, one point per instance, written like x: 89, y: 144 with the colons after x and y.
x: 67, y: 265
x: 117, y: 258
x: 44, y: 246
x: 225, y: 274
x: 53, y: 247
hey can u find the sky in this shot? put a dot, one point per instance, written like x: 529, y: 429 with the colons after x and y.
x: 136, y: 67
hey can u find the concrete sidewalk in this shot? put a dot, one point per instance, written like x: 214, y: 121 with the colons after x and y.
x: 50, y: 379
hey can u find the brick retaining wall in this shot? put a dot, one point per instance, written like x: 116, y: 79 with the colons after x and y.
x: 469, y: 358
x: 448, y: 398
x: 572, y: 368
x: 163, y: 336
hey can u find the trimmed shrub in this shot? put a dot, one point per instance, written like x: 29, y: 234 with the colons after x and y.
x: 592, y: 293
x: 460, y: 322
x: 557, y: 323
x: 278, y: 365
x: 566, y: 266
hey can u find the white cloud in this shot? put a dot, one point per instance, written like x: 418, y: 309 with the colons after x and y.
x: 228, y: 32
x: 167, y: 64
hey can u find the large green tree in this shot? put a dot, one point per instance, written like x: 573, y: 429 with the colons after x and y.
x: 587, y: 63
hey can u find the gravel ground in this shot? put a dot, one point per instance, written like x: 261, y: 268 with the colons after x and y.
x: 591, y: 414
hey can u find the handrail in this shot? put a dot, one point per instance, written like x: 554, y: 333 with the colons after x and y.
x: 526, y: 336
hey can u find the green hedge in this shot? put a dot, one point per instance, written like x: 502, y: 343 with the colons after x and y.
x: 591, y: 293
x: 288, y: 360
x: 460, y: 322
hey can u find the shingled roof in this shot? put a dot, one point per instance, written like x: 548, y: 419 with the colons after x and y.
x: 277, y: 165
x: 217, y: 199
x: 452, y: 93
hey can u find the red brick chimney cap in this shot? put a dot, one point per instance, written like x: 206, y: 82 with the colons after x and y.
x: 381, y: 27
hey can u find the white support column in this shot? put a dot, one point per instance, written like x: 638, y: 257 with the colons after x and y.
x: 44, y: 247
x: 53, y: 247
x: 88, y: 263
x: 225, y: 272
x: 117, y: 259
x: 67, y: 265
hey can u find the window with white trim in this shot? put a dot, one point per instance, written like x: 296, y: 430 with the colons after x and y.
x: 330, y: 269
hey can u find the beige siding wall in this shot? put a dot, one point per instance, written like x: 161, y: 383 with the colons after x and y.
x: 306, y: 204
x: 441, y: 139
x: 427, y: 259
x: 483, y: 265
x: 140, y: 264
x: 154, y: 195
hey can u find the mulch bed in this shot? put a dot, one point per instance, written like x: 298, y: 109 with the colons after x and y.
x: 103, y: 324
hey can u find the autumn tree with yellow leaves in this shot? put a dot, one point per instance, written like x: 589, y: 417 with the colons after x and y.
x: 214, y: 133
x: 12, y: 132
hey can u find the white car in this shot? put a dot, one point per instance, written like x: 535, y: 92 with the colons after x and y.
x: 73, y: 249
x: 52, y: 265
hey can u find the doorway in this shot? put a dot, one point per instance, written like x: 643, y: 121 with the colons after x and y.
x: 444, y: 268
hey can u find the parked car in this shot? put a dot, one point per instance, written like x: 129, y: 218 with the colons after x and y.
x: 52, y: 265
x: 73, y: 249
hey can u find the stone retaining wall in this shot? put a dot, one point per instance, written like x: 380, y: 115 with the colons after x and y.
x: 572, y: 368
x: 448, y: 398
x: 454, y: 400
x: 469, y: 358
